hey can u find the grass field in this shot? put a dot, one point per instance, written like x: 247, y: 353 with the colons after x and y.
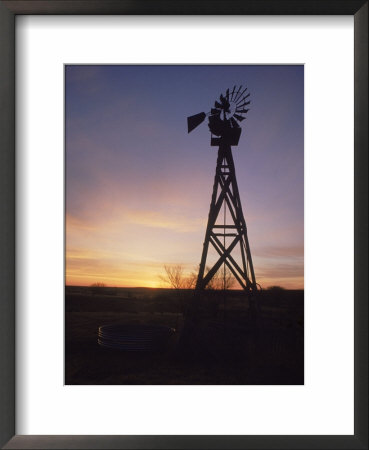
x: 228, y: 345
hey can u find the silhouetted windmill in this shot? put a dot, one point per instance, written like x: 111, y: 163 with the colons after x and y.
x: 226, y: 236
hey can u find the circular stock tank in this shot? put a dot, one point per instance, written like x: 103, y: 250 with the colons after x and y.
x: 134, y: 338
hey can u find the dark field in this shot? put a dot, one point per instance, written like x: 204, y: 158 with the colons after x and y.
x: 228, y: 345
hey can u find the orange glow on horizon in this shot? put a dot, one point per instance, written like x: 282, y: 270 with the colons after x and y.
x: 104, y: 253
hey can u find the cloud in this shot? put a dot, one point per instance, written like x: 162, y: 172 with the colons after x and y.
x: 86, y: 267
x: 155, y: 219
x: 75, y: 223
x: 296, y: 251
x: 280, y: 271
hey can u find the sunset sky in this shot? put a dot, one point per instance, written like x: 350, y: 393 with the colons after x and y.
x: 138, y: 187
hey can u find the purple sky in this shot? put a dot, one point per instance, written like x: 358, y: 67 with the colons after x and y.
x: 138, y: 187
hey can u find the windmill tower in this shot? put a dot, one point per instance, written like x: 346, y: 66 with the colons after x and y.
x: 226, y: 231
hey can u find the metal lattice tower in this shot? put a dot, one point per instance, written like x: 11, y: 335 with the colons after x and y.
x: 226, y: 195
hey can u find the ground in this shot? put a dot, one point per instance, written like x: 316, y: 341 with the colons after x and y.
x: 228, y: 343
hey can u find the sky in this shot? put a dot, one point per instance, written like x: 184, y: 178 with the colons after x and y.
x: 138, y: 186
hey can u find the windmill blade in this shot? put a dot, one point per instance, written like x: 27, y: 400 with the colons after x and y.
x: 240, y: 95
x: 223, y: 100
x: 243, y: 104
x: 236, y: 94
x: 234, y: 87
x: 218, y: 105
x: 227, y: 95
x: 194, y: 121
x: 238, y: 117
x: 238, y: 99
x: 234, y: 123
x: 243, y: 98
x: 214, y: 111
x: 242, y: 111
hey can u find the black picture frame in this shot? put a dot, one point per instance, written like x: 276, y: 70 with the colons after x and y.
x: 8, y: 12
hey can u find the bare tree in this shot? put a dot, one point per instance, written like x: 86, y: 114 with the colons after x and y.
x: 189, y: 281
x: 176, y: 278
x: 173, y: 275
x: 98, y: 284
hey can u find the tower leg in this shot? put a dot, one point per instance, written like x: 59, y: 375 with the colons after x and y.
x: 211, y: 222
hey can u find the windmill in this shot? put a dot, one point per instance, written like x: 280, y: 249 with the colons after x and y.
x: 226, y: 231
